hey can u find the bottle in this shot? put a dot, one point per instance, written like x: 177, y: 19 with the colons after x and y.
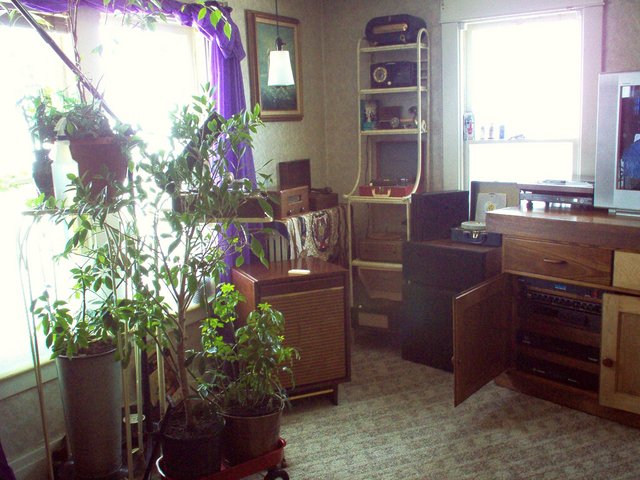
x: 63, y: 164
x: 491, y: 131
x: 469, y: 126
x: 501, y: 132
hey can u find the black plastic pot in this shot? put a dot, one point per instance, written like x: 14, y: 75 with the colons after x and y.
x: 190, y: 454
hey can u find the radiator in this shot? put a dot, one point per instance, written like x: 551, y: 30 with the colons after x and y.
x: 277, y: 247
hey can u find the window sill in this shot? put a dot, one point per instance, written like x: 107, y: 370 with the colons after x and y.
x: 19, y: 382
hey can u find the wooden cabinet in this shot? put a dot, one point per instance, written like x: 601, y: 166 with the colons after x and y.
x: 315, y: 307
x: 619, y: 376
x: 433, y: 273
x: 563, y: 320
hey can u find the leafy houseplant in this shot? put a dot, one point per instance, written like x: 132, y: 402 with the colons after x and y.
x: 87, y: 331
x: 245, y: 375
x: 83, y: 131
x: 191, y: 200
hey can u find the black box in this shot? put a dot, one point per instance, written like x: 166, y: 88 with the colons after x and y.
x: 434, y: 214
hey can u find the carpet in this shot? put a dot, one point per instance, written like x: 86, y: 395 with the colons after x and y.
x: 396, y: 420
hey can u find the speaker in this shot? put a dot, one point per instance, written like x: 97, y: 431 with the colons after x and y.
x: 434, y: 214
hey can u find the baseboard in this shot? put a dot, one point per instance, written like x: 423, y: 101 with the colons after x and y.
x: 33, y: 465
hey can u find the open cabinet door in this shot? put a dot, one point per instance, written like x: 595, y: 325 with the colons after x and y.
x: 480, y: 326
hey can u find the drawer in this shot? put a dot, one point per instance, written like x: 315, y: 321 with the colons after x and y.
x: 626, y: 270
x: 559, y: 260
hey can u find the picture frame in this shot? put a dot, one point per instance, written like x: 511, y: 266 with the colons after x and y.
x: 282, y: 103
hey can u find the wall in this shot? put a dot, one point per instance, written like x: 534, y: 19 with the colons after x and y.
x: 621, y: 31
x: 345, y: 21
x: 280, y: 141
x: 327, y: 135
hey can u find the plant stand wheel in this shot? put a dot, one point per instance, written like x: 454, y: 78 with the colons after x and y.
x: 276, y: 474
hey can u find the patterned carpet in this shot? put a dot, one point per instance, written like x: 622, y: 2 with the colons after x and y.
x: 396, y: 420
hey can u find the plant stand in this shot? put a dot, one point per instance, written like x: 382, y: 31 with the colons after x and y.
x: 273, y: 462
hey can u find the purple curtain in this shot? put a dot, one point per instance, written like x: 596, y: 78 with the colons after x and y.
x: 226, y: 74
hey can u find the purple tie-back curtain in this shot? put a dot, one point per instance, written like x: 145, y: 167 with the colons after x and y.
x: 226, y: 74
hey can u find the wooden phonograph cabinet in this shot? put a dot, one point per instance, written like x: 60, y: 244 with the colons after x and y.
x: 315, y: 306
x: 562, y: 322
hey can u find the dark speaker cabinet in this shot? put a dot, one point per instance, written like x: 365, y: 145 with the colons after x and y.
x: 315, y: 308
x: 433, y: 273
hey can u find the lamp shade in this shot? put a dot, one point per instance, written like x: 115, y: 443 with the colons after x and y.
x: 280, y: 72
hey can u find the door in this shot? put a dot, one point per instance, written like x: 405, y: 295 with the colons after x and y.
x: 481, y: 319
x: 620, y: 352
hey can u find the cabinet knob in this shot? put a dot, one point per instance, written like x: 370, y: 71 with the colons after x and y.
x: 607, y: 362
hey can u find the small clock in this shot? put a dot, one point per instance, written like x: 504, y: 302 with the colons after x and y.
x: 380, y: 74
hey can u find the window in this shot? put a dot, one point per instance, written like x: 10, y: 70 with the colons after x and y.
x: 455, y: 15
x: 28, y: 66
x: 523, y: 85
x: 146, y: 74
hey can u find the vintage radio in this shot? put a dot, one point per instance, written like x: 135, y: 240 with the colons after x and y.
x: 297, y: 173
x: 393, y: 29
x: 290, y: 201
x: 394, y: 74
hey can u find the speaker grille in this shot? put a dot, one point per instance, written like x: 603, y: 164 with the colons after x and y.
x: 314, y: 325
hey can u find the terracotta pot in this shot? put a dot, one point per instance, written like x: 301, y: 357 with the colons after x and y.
x: 98, y: 159
x: 247, y: 437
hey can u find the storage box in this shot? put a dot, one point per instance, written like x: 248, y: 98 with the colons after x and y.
x: 380, y: 250
x: 386, y: 284
x: 322, y: 200
x: 391, y: 191
x: 297, y: 173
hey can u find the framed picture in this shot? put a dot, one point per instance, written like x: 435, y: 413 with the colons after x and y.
x: 281, y: 103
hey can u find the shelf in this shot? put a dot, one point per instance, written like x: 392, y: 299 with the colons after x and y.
x: 390, y: 131
x: 378, y: 91
x: 380, y: 200
x: 559, y: 359
x: 561, y: 331
x: 393, y: 48
x: 392, y: 267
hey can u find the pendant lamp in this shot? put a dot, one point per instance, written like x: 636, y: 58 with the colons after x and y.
x: 280, y: 72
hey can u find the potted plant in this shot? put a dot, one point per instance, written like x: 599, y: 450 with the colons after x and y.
x: 86, y: 144
x: 41, y: 120
x: 87, y: 330
x: 191, y: 200
x: 245, y: 375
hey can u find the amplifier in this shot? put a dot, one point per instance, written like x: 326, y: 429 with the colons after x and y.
x: 583, y: 313
x: 569, y: 376
x: 555, y: 345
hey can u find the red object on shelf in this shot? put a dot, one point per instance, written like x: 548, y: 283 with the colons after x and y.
x: 385, y: 191
x: 268, y: 461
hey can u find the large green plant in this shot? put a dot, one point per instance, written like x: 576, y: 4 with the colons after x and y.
x: 102, y: 232
x: 191, y: 201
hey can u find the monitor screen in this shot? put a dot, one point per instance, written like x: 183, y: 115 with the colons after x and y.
x: 628, y: 157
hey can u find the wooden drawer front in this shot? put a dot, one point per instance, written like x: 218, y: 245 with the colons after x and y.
x: 626, y: 270
x: 571, y: 262
x: 315, y: 325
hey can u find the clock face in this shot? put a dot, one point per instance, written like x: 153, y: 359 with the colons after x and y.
x: 380, y: 74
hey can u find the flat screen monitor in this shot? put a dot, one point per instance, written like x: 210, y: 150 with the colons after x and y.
x: 617, y: 182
